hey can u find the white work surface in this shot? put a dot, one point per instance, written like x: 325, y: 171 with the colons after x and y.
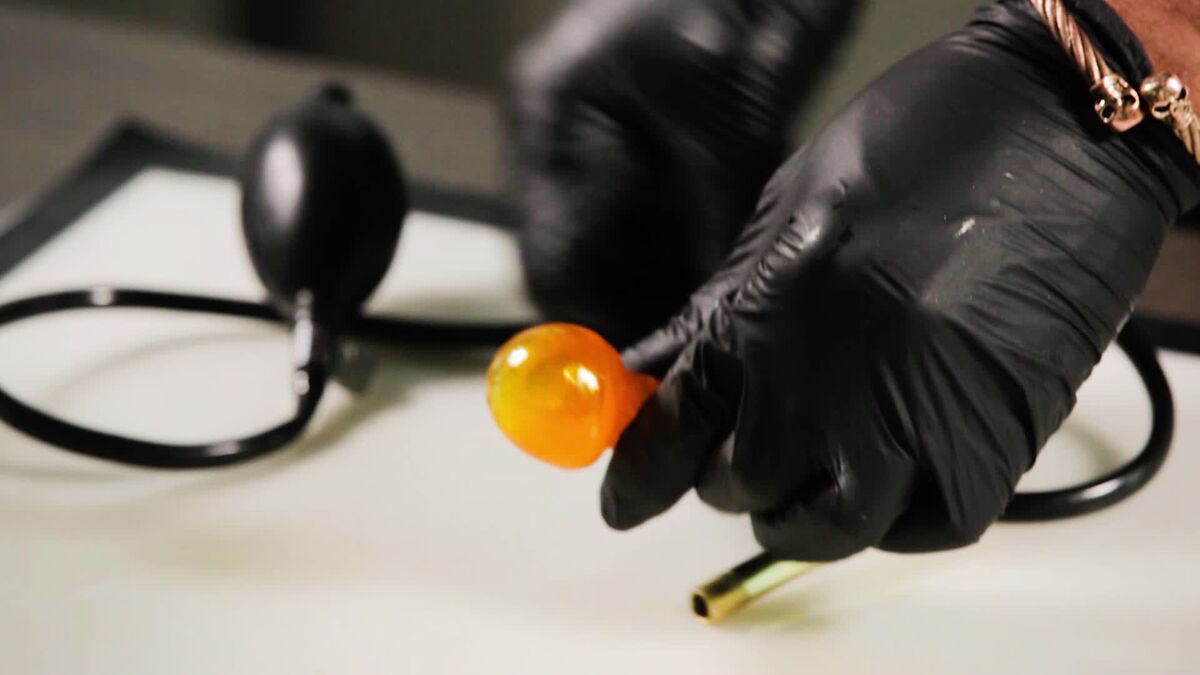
x: 404, y: 535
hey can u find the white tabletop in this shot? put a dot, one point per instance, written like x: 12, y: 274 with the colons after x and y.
x: 404, y: 535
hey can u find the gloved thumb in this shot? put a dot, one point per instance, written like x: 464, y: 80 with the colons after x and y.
x: 656, y: 352
x: 660, y: 455
x: 780, y: 241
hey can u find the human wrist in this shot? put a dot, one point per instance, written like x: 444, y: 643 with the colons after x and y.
x: 1168, y: 30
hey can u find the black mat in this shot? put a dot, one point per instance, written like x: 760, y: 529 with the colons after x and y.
x: 133, y: 146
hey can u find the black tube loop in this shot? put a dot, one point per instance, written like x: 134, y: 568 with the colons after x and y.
x: 1111, y: 488
x: 312, y: 375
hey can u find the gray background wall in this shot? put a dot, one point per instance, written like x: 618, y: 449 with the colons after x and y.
x: 467, y: 42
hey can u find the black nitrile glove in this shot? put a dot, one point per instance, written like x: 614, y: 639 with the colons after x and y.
x: 908, y: 316
x: 644, y: 132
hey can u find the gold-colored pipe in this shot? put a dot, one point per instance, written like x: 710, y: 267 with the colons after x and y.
x: 743, y: 584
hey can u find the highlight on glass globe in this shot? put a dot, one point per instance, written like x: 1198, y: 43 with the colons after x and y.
x: 559, y: 392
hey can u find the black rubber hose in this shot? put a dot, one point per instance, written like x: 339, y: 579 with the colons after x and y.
x: 312, y: 374
x: 1124, y: 481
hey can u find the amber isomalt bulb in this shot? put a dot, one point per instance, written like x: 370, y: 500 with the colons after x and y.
x: 560, y: 393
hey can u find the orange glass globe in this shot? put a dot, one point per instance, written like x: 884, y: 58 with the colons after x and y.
x: 560, y: 393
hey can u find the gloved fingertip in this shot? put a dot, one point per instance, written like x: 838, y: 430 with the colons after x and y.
x: 821, y: 527
x: 610, y: 509
x: 796, y: 534
x: 649, y: 471
x: 852, y: 511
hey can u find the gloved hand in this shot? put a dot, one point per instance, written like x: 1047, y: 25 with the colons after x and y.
x: 909, y: 314
x: 644, y: 131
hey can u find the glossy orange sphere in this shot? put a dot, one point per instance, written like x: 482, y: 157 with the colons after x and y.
x: 560, y: 393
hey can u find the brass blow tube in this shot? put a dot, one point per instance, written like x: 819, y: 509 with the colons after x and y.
x: 744, y: 583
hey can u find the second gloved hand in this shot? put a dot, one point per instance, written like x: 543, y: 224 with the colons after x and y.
x: 644, y: 131
x: 909, y: 314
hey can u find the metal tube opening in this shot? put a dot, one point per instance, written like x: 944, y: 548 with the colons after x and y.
x: 733, y: 590
x: 699, y: 606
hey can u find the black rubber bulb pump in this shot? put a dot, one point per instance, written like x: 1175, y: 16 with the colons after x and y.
x: 322, y: 204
